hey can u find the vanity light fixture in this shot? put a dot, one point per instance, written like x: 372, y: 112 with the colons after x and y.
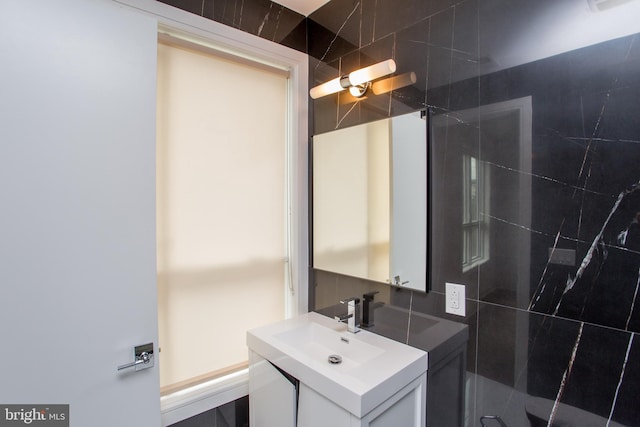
x: 358, y: 82
x: 393, y: 83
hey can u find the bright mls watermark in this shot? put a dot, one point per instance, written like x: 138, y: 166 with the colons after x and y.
x: 34, y: 415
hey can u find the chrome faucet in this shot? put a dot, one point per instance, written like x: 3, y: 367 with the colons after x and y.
x: 352, y: 317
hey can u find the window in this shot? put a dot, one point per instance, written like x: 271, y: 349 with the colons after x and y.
x: 475, y: 224
x: 222, y: 210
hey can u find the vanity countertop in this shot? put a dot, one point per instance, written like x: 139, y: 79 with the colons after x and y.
x: 437, y: 336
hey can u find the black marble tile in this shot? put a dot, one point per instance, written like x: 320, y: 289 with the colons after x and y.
x: 463, y: 95
x: 335, y: 29
x: 296, y: 37
x: 529, y: 364
x: 466, y: 31
x: 560, y: 190
x: 596, y: 370
x: 205, y: 419
x: 262, y: 18
x: 228, y: 12
x: 194, y: 6
x: 241, y: 412
x: 394, y: 15
x: 411, y: 56
x: 433, y: 304
x: 440, y: 53
x: 273, y: 22
x: 618, y: 127
x: 575, y: 160
x: 522, y: 359
x: 627, y: 70
x: 367, y: 22
x: 207, y: 10
x: 465, y: 55
x: 625, y: 405
x: 325, y: 109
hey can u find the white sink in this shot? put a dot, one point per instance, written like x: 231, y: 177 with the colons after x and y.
x: 373, y: 367
x: 317, y: 342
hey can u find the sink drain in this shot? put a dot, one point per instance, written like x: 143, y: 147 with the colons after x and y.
x: 335, y: 359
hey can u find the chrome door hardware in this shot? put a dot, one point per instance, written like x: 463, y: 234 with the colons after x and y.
x: 396, y: 281
x: 143, y: 358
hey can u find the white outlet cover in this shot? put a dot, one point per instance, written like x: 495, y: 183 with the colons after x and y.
x: 455, y: 305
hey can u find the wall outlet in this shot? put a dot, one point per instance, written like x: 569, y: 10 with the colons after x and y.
x: 454, y: 299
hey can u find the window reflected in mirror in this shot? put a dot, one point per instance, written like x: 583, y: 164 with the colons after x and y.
x: 475, y: 215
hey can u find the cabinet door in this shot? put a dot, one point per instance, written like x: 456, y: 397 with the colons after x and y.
x: 315, y: 410
x: 404, y: 412
x: 406, y: 408
x: 272, y: 397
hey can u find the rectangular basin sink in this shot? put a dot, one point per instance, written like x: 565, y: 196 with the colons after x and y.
x: 372, y: 368
x: 318, y: 343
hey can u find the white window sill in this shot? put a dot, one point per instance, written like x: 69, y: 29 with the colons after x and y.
x: 195, y: 400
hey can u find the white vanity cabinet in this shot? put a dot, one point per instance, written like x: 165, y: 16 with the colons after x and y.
x: 379, y: 383
x: 406, y: 408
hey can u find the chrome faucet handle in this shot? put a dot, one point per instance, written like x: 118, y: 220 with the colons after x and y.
x: 343, y: 317
x: 353, y: 314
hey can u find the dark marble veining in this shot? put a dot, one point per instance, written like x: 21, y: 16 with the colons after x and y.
x: 552, y: 116
x: 262, y: 18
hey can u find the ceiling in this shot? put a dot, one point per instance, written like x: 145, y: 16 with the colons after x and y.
x: 303, y: 7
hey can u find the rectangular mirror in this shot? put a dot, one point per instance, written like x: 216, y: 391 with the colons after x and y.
x: 370, y: 201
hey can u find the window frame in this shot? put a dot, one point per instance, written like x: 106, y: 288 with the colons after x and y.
x: 481, y: 222
x: 247, y: 47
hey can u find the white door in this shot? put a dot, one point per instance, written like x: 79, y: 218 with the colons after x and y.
x: 77, y: 214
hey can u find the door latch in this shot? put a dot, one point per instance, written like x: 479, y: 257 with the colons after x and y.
x: 142, y: 358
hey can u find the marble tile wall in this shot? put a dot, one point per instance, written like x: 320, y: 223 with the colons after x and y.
x: 547, y: 101
x: 262, y: 18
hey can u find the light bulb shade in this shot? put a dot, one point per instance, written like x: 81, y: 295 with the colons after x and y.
x: 393, y: 83
x: 372, y: 72
x: 332, y: 86
x: 359, y: 78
